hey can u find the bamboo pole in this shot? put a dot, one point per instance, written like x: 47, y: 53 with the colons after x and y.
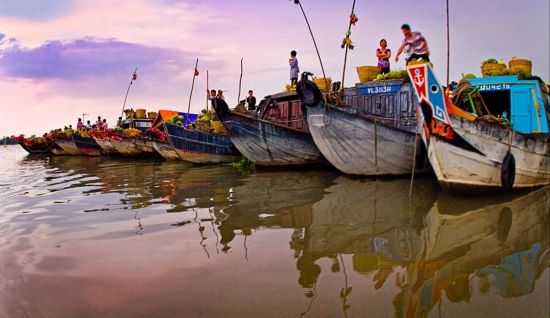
x: 240, y: 80
x: 312, y: 37
x: 134, y: 77
x: 192, y: 86
x: 207, y: 91
x: 347, y: 48
x: 448, y: 43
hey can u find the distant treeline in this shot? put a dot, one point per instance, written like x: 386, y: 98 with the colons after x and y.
x: 9, y: 141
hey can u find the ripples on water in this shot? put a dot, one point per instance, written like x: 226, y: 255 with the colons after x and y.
x: 113, y: 237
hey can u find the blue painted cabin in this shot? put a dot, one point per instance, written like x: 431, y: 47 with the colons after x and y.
x: 522, y: 102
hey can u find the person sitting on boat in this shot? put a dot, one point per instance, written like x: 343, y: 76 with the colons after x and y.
x: 119, y: 122
x: 104, y: 125
x: 99, y: 122
x: 294, y: 69
x: 212, y: 97
x: 416, y: 43
x: 80, y: 124
x: 88, y: 125
x: 251, y: 100
x: 155, y: 133
x: 383, y: 54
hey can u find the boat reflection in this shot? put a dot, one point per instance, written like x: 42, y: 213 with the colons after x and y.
x: 429, y: 246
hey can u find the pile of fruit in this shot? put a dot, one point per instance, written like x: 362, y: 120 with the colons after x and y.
x: 205, y: 115
x: 118, y: 129
x: 131, y: 132
x: 176, y: 120
x: 401, y: 74
x: 289, y: 88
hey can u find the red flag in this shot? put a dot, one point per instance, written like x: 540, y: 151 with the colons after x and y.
x: 196, y: 72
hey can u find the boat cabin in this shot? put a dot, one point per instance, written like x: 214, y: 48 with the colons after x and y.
x: 284, y: 109
x: 387, y: 99
x: 524, y: 103
x: 138, y: 123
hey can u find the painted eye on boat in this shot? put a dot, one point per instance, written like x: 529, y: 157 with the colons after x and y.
x: 434, y: 88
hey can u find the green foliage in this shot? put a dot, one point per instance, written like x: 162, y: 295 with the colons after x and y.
x: 245, y: 165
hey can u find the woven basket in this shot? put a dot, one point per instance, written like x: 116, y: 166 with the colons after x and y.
x: 140, y: 113
x: 152, y: 115
x: 320, y: 82
x: 130, y: 114
x: 516, y: 64
x: 488, y: 67
x: 367, y: 73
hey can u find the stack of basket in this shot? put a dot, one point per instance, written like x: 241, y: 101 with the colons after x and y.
x: 488, y: 69
x: 520, y: 65
x: 140, y: 113
x: 367, y: 73
x: 152, y: 115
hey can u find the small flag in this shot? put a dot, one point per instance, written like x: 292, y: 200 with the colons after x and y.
x: 196, y: 72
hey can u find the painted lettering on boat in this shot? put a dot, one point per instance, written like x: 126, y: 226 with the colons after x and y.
x: 494, y: 87
x: 379, y: 89
x: 442, y: 130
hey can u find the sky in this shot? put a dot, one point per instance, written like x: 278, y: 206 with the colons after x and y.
x: 61, y: 59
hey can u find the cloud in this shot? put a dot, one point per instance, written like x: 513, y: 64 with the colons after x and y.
x: 73, y: 59
x: 36, y: 10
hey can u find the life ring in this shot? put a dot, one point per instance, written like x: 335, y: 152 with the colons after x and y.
x: 508, y: 171
x: 308, y: 92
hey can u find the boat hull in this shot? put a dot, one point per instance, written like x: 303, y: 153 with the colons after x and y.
x: 69, y: 146
x: 201, y: 147
x: 461, y: 169
x: 106, y: 145
x: 87, y: 146
x: 165, y: 149
x: 269, y: 144
x: 361, y: 146
x: 135, y: 147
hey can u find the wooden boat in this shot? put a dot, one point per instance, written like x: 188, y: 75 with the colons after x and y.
x: 276, y: 136
x: 373, y: 132
x: 201, y: 147
x: 163, y: 145
x: 67, y: 144
x: 134, y: 146
x: 33, y: 145
x: 506, y: 145
x: 105, y: 140
x: 87, y: 145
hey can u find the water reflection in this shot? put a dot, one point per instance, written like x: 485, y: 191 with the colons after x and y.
x: 312, y: 243
x: 428, y: 246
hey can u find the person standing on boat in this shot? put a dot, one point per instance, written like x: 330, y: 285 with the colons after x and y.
x: 383, y: 54
x: 416, y: 44
x: 251, y: 100
x: 211, y: 95
x: 80, y: 124
x: 294, y: 69
x: 220, y: 94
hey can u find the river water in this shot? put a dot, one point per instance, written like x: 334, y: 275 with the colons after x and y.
x: 113, y: 237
